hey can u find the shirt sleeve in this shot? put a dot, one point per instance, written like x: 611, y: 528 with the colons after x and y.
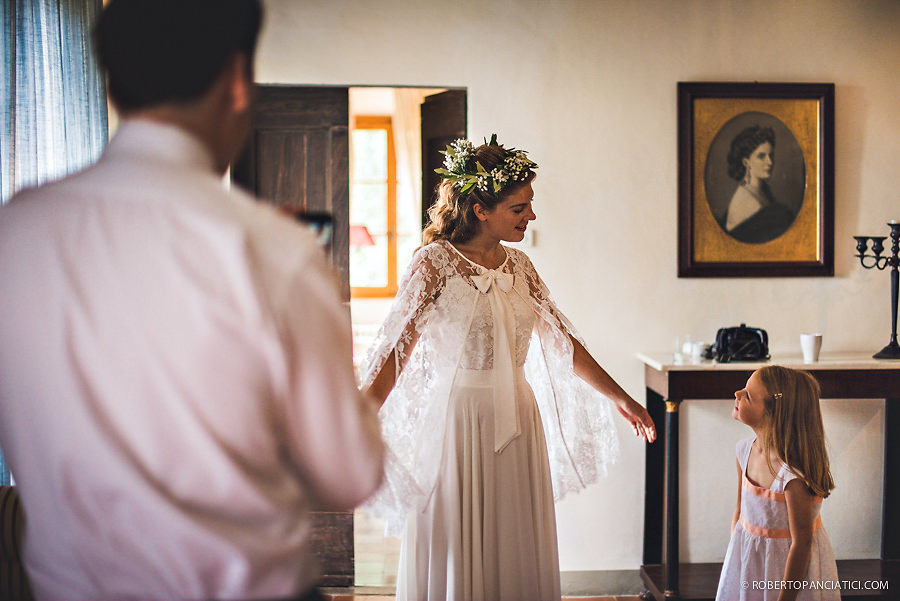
x: 331, y: 430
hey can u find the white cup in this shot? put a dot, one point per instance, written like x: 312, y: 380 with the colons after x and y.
x: 697, y: 350
x: 810, y: 344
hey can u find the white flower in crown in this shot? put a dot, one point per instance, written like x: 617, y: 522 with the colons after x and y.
x: 515, y: 167
x: 457, y: 154
x: 517, y: 164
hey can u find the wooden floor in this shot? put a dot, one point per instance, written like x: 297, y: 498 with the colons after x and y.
x: 377, y: 556
x: 606, y: 585
x: 349, y: 595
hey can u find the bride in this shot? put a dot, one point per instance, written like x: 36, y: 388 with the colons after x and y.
x: 492, y: 407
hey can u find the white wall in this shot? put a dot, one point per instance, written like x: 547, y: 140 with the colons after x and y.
x: 589, y: 88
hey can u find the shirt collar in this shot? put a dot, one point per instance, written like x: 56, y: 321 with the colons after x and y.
x: 153, y: 140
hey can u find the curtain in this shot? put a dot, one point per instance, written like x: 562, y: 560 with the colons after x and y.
x: 53, y: 115
x: 408, y: 149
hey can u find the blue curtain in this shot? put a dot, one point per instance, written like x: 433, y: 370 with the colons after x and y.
x: 53, y: 118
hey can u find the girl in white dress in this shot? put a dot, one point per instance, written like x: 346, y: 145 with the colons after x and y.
x: 778, y: 548
x: 485, y: 420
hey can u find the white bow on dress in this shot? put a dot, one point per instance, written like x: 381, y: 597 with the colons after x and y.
x: 496, y: 284
x: 484, y: 281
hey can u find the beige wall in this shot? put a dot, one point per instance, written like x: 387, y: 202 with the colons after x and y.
x: 589, y: 88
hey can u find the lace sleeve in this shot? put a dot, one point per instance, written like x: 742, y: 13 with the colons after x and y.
x: 540, y: 295
x: 426, y: 328
x: 578, y: 426
x: 419, y: 288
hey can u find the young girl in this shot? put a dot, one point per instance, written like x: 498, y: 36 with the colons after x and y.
x: 779, y: 549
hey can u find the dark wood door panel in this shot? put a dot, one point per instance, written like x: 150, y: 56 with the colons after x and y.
x: 281, y: 170
x: 298, y: 157
x: 443, y: 121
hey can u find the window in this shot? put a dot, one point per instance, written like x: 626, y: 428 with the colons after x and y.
x: 53, y: 118
x: 373, y: 208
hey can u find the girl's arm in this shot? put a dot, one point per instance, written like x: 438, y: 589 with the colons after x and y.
x: 800, y: 510
x: 737, y: 509
x: 587, y: 368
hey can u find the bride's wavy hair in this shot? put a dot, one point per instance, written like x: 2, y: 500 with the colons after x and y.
x: 452, y: 216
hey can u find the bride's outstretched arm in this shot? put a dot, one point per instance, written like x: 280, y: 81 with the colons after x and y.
x: 384, y: 382
x: 587, y: 368
x: 419, y: 288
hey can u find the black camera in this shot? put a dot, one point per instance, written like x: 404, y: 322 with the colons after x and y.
x: 741, y: 344
x: 320, y: 222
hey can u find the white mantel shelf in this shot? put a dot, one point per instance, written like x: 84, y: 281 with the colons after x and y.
x: 665, y: 362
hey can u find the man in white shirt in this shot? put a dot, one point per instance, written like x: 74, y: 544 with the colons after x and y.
x: 176, y: 388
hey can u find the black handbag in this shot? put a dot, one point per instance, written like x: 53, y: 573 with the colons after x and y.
x: 741, y: 344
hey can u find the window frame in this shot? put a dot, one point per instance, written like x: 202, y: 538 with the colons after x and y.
x: 382, y: 122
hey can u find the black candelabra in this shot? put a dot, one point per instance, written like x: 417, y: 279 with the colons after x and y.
x: 879, y: 261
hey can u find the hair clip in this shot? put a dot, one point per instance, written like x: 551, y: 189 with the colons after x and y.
x: 777, y: 396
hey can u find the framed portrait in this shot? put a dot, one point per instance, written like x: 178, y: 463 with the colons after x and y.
x: 755, y: 179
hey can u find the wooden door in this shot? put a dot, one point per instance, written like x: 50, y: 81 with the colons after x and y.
x: 297, y: 156
x: 443, y: 121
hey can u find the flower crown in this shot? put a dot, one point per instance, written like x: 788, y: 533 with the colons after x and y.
x: 514, y: 168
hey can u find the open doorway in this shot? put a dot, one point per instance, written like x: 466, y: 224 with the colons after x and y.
x: 390, y: 160
x: 395, y: 135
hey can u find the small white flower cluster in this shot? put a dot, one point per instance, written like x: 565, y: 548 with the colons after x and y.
x: 500, y: 175
x: 518, y: 165
x: 515, y: 167
x: 457, y: 154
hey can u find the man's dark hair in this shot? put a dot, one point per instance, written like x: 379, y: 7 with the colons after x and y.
x: 157, y: 51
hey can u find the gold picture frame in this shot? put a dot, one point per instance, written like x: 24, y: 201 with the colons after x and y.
x: 771, y: 218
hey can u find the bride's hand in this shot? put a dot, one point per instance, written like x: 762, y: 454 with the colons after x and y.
x: 638, y: 417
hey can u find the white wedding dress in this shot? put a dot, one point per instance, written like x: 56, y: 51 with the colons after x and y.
x: 470, y: 477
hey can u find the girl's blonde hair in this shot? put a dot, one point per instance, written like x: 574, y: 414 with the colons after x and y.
x: 452, y: 216
x: 794, y: 426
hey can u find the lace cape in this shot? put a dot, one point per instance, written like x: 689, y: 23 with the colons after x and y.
x: 427, y: 327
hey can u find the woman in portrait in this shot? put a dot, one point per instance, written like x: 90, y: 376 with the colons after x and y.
x: 754, y: 215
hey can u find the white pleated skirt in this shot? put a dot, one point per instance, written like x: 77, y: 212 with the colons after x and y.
x: 488, y: 532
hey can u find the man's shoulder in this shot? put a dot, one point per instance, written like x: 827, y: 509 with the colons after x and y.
x: 272, y: 236
x: 40, y: 199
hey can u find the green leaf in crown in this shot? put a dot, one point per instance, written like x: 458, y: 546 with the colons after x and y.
x: 514, y: 168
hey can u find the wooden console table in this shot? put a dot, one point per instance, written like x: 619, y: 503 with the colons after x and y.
x: 845, y: 376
